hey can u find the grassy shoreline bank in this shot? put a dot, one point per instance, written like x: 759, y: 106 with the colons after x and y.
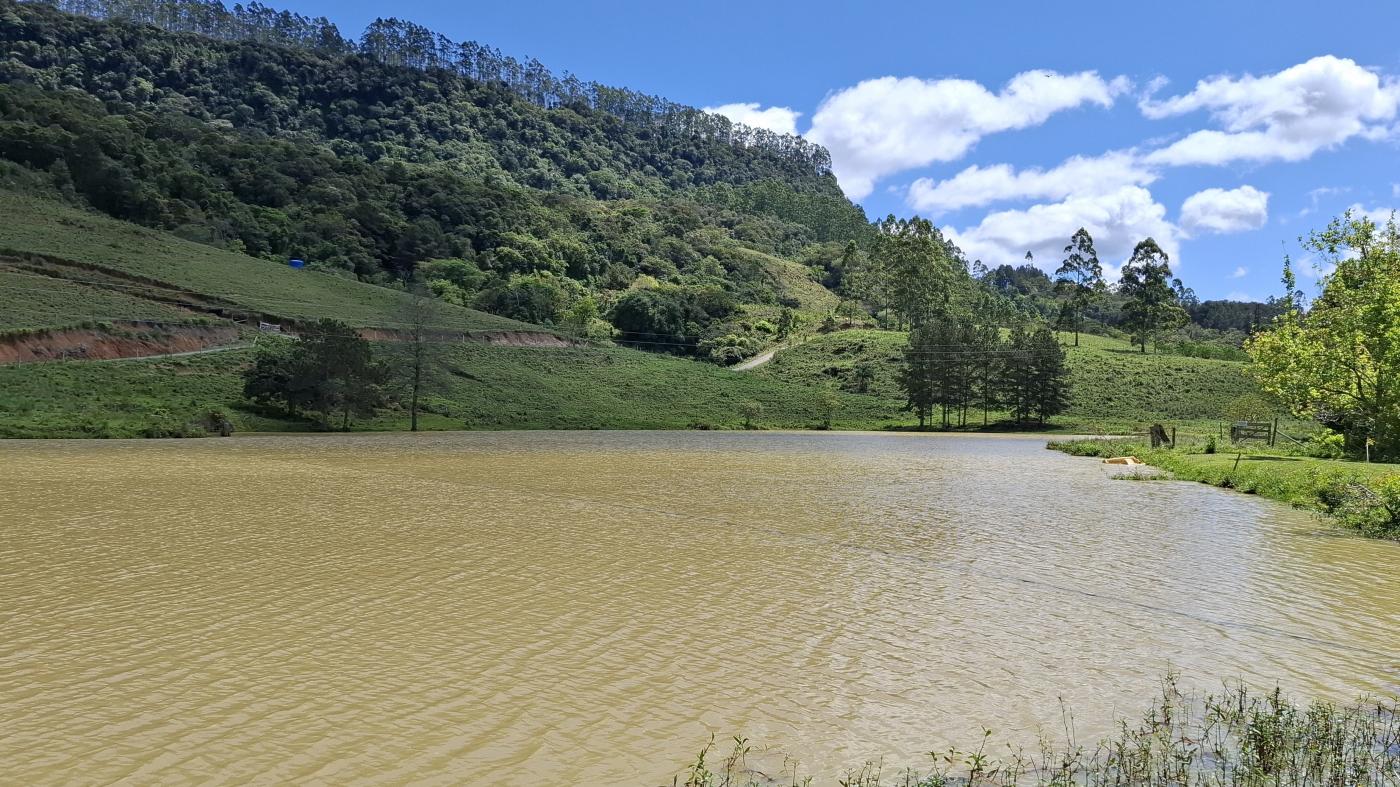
x: 1236, y: 736
x: 1363, y: 496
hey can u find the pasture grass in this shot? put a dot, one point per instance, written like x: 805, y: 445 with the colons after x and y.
x: 476, y: 386
x: 1113, y: 382
x: 30, y: 302
x: 152, y: 398
x: 36, y: 226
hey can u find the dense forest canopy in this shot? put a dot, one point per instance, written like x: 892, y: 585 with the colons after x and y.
x: 396, y: 42
x: 372, y: 107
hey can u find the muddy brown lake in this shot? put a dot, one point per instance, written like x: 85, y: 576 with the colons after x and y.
x: 589, y: 607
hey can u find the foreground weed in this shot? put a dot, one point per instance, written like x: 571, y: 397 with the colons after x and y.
x: 1235, y: 737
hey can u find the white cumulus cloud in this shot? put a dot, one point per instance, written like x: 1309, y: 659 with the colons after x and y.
x: 887, y: 125
x: 1284, y: 116
x: 1076, y: 176
x: 1240, y: 272
x: 1222, y: 211
x: 1379, y: 216
x: 1117, y: 220
x: 780, y: 119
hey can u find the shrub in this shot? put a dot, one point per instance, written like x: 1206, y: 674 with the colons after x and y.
x: 1235, y: 736
x: 730, y: 348
x: 1373, y: 508
x: 168, y: 427
x: 670, y: 317
x: 750, y: 412
x: 1326, y: 445
x: 650, y: 315
x: 539, y: 298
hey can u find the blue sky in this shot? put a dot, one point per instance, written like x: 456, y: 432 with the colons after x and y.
x: 1223, y: 129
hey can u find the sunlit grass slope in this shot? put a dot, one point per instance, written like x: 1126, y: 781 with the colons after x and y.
x: 29, y: 301
x: 35, y: 226
x: 477, y: 387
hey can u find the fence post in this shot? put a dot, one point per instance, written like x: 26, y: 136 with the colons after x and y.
x: 1273, y: 432
x: 1173, y: 437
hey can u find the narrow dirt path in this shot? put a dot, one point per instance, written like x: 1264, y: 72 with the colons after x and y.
x: 205, y: 351
x: 762, y: 358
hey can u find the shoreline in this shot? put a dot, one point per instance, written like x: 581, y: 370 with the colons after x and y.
x: 1049, y: 435
x: 1364, y: 497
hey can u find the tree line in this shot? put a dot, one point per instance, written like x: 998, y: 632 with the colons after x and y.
x: 398, y: 42
x: 1223, y: 324
x: 971, y: 347
x: 953, y: 368
x: 960, y: 356
x: 901, y: 289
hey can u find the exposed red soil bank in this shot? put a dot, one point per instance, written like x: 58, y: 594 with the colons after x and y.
x: 523, y: 339
x: 122, y: 340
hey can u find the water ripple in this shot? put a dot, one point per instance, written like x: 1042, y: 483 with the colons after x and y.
x: 589, y: 607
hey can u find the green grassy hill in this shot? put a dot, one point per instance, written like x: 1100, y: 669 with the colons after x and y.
x: 1114, y: 382
x: 100, y: 269
x: 147, y: 258
x: 104, y: 269
x: 1113, y: 385
x: 30, y: 301
x: 481, y: 387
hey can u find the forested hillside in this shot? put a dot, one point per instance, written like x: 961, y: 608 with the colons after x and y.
x: 271, y: 134
x: 406, y: 169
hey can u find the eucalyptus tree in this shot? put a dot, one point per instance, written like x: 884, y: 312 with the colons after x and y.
x: 922, y: 274
x: 1152, y: 305
x: 1079, y: 280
